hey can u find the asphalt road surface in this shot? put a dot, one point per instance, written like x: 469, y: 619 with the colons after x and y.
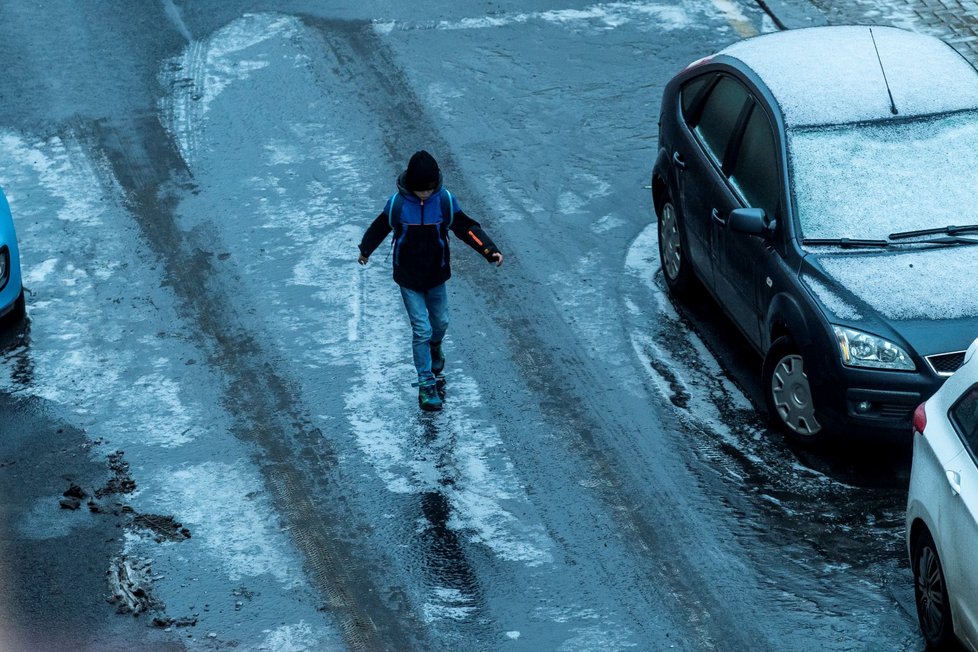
x: 230, y: 393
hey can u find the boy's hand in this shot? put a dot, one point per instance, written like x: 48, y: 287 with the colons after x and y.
x: 362, y: 259
x: 497, y: 258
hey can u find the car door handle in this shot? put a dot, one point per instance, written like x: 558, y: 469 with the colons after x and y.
x: 954, y: 479
x: 677, y: 160
x: 715, y: 214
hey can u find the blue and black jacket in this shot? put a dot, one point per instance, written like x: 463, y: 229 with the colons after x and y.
x: 420, y: 246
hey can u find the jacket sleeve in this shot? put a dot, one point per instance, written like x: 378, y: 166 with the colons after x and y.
x: 375, y: 234
x: 470, y: 232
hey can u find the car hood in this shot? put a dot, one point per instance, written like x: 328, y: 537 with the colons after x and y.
x: 926, y: 297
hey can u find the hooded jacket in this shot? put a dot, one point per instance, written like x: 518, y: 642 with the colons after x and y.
x: 422, y: 259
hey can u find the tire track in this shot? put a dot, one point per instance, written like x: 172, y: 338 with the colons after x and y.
x: 358, y: 55
x: 259, y: 395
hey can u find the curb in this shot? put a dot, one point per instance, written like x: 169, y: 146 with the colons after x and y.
x: 792, y: 15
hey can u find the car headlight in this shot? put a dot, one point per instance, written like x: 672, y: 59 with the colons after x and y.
x: 860, y: 349
x: 4, y: 265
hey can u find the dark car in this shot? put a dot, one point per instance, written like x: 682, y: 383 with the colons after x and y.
x: 811, y: 180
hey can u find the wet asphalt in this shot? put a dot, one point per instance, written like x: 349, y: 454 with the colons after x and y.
x: 189, y: 181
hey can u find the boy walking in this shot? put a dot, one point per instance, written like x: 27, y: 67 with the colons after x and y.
x: 421, y: 214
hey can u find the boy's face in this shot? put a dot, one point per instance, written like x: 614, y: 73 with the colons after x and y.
x: 423, y: 195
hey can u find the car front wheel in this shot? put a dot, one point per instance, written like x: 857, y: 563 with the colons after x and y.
x: 672, y: 254
x: 930, y: 591
x: 788, y: 393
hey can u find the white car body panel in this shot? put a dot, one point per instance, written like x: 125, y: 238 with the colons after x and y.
x: 944, y: 496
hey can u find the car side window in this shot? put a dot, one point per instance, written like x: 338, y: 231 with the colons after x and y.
x: 755, y: 169
x: 691, y: 91
x: 720, y: 113
x: 964, y: 417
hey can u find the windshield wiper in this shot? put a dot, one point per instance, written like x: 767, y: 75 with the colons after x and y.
x: 845, y: 243
x: 943, y: 240
x: 947, y: 230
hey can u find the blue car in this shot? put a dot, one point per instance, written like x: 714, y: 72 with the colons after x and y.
x: 11, y: 285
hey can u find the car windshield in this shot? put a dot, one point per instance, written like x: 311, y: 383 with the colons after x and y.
x: 869, y: 180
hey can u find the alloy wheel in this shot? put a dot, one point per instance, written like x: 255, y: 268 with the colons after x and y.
x: 930, y: 593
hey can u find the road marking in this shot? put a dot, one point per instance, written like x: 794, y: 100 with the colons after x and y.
x: 735, y: 16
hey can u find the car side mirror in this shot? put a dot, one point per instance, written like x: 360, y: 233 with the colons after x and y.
x: 752, y: 221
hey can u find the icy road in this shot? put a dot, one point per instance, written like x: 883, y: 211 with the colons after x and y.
x: 230, y: 394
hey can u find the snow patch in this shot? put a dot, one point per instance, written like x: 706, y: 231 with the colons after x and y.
x: 448, y: 604
x: 603, y: 16
x: 794, y: 62
x: 194, y: 79
x: 836, y: 304
x: 867, y: 181
x: 226, y: 506
x: 292, y: 638
x: 924, y: 284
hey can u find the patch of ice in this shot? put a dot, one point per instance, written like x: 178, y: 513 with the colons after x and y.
x: 648, y: 15
x: 506, y: 207
x: 597, y: 638
x: 299, y: 637
x: 703, y: 384
x: 73, y: 323
x: 226, y: 506
x: 195, y: 78
x: 361, y: 317
x: 482, y: 478
x: 449, y: 604
x: 65, y: 172
x: 569, y: 203
x: 589, y: 306
x: 608, y: 223
x: 40, y: 272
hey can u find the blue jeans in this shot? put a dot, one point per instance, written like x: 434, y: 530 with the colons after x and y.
x: 428, y: 312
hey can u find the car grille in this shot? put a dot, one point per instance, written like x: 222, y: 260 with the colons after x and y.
x: 895, y: 411
x: 946, y: 364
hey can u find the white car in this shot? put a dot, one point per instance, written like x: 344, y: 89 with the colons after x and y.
x: 942, y: 510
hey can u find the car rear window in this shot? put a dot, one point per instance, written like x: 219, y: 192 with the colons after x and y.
x: 964, y: 417
x: 872, y: 179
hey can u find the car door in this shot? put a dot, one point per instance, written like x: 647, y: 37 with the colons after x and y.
x: 959, y: 519
x: 754, y: 176
x: 710, y: 127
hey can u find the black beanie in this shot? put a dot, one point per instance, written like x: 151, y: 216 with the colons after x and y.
x: 422, y: 172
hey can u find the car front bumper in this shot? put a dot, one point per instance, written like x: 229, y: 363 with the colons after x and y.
x: 870, y: 402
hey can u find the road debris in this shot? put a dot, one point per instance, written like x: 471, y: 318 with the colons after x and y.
x: 131, y: 582
x: 121, y: 482
x: 166, y: 528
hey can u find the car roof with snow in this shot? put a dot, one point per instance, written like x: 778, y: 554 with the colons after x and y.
x: 832, y: 75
